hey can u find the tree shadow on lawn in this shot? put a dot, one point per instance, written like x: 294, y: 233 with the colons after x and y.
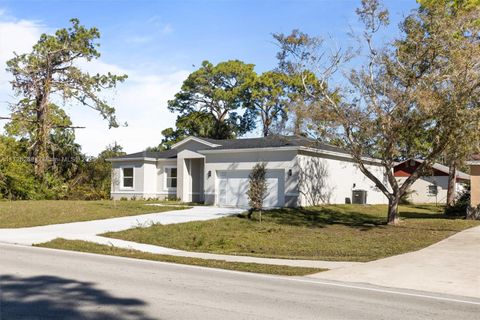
x: 49, y: 297
x: 424, y: 215
x: 321, y: 217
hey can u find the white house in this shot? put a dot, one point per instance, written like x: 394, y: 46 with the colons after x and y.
x: 431, y: 187
x: 300, y: 172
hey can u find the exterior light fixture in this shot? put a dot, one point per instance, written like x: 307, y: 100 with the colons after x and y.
x: 209, y: 173
x: 289, y: 172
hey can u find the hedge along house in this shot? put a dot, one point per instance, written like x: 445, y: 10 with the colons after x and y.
x: 300, y: 172
x: 432, y: 186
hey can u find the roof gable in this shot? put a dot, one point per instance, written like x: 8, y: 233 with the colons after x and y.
x: 199, y: 140
x: 407, y: 167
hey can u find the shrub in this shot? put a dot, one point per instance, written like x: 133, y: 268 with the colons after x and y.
x: 257, y: 188
x: 459, y: 209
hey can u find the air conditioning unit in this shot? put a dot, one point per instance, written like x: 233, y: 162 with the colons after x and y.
x: 359, y: 196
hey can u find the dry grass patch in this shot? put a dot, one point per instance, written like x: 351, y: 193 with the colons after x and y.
x: 334, y: 232
x: 83, y: 246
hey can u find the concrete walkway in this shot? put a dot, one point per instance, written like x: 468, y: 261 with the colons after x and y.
x: 89, y: 230
x: 451, y: 266
x: 79, y: 230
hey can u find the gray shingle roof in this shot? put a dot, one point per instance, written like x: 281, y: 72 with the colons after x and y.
x: 272, y: 142
x: 151, y: 154
x: 245, y: 143
x: 445, y: 169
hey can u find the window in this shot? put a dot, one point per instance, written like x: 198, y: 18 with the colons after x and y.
x: 127, y: 177
x: 171, y: 174
x: 432, y: 190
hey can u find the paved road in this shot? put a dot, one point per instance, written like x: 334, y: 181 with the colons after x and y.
x: 39, y: 283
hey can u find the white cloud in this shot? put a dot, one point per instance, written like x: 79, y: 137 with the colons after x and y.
x: 15, y: 36
x: 139, y: 39
x: 141, y: 100
x: 167, y: 29
x: 158, y: 23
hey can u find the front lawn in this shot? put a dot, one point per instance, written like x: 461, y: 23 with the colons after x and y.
x: 334, y: 232
x: 83, y: 246
x: 18, y: 214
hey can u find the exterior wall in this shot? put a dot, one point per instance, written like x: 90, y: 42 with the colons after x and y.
x: 475, y: 185
x: 419, y: 189
x: 161, y: 176
x: 117, y: 191
x: 197, y: 179
x: 190, y: 175
x: 197, y: 175
x: 279, y: 160
x: 420, y: 192
x: 148, y: 180
x: 338, y: 176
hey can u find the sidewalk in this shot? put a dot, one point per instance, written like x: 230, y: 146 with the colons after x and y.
x: 451, y: 266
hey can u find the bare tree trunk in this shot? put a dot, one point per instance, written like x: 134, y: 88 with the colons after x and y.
x: 41, y: 143
x: 452, y: 183
x: 393, y: 209
x: 266, y: 128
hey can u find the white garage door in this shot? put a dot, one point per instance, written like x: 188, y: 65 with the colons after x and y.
x: 233, y: 187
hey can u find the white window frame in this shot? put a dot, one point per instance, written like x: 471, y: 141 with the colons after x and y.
x: 429, y: 191
x: 122, y: 181
x: 165, y: 177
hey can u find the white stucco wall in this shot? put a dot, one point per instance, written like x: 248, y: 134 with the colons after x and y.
x: 117, y: 191
x: 150, y: 176
x: 419, y: 189
x: 148, y: 179
x: 341, y: 175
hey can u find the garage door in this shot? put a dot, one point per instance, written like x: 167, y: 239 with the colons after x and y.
x: 233, y: 187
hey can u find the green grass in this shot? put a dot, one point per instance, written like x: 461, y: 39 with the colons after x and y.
x: 84, y: 246
x: 17, y: 214
x: 335, y: 232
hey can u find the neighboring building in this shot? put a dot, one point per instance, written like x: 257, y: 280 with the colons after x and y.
x: 300, y: 172
x: 474, y: 164
x: 430, y: 188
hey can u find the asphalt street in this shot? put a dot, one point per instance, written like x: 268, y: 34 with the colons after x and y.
x: 38, y: 283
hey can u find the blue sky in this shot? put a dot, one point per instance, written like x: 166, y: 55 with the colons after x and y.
x: 158, y: 43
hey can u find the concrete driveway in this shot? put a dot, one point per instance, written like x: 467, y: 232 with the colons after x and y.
x: 87, y: 229
x: 451, y: 266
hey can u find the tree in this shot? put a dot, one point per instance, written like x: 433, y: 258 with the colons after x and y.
x: 393, y: 105
x: 52, y: 69
x: 257, y: 188
x: 94, y: 179
x: 16, y: 173
x: 270, y: 99
x: 222, y: 92
x: 195, y: 123
x: 459, y: 25
x: 64, y: 154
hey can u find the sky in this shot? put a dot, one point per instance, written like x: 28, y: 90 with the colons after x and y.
x: 158, y: 43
